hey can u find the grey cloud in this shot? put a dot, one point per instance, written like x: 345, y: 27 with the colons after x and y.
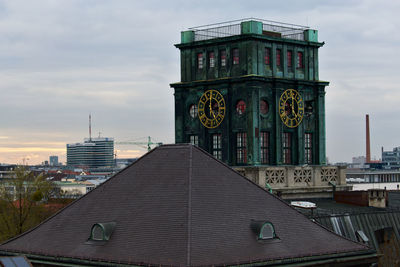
x: 60, y: 60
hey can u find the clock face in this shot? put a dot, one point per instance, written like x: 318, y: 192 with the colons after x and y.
x: 211, y: 109
x: 291, y: 108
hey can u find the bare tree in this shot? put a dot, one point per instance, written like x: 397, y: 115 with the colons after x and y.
x: 21, y: 201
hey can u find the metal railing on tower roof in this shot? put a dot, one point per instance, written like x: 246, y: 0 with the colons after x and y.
x: 232, y: 28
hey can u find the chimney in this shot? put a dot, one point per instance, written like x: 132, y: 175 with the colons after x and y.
x: 368, y: 145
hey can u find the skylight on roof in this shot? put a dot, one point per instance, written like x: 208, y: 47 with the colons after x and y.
x: 264, y: 230
x: 102, y: 231
x: 267, y: 231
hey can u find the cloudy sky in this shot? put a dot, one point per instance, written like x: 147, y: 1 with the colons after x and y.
x: 63, y: 59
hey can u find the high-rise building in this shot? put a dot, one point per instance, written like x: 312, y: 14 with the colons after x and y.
x: 92, y: 153
x: 53, y: 160
x: 250, y: 93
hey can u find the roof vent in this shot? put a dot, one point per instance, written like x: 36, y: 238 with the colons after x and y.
x: 265, y: 230
x: 102, y: 231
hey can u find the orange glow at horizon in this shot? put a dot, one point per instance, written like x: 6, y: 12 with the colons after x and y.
x: 32, y: 155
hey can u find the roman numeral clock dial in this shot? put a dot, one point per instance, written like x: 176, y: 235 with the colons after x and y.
x: 291, y: 108
x: 211, y: 109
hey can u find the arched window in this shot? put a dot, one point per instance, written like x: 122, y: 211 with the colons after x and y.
x: 97, y: 232
x: 102, y: 231
x: 267, y: 231
x: 193, y: 109
x: 264, y: 230
x: 240, y: 107
x: 264, y: 107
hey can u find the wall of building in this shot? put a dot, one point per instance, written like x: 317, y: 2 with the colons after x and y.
x: 252, y: 80
x: 92, y: 153
x: 391, y: 159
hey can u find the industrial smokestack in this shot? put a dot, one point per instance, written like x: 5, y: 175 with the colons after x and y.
x: 368, y: 145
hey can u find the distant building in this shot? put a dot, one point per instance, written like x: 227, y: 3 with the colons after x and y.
x: 74, y: 189
x: 391, y: 159
x: 92, y: 153
x: 356, y: 163
x: 53, y: 160
x: 7, y: 171
x: 123, y: 163
x: 373, y: 175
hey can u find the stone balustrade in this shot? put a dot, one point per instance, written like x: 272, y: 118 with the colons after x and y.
x: 297, y: 179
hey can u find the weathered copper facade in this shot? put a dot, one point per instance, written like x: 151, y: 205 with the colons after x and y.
x: 243, y: 66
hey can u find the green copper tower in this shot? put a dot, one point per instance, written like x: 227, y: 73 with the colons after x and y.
x: 250, y: 93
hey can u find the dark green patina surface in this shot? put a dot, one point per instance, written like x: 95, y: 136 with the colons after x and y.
x: 252, y: 80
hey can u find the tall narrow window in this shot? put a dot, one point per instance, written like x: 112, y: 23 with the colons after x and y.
x: 200, y: 61
x: 217, y: 146
x: 267, y: 56
x: 278, y: 58
x: 264, y: 107
x: 235, y: 53
x: 308, y: 148
x: 240, y: 107
x: 241, y: 148
x: 289, y: 59
x: 300, y: 64
x: 264, y: 147
x: 222, y: 56
x: 194, y: 140
x: 211, y: 58
x: 287, y: 148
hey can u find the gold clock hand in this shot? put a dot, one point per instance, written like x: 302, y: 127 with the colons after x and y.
x: 210, y: 104
x: 211, y: 110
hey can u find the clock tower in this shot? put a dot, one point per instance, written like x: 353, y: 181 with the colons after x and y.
x: 251, y: 96
x: 250, y: 93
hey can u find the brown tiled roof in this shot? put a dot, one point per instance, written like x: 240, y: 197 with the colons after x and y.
x: 178, y: 206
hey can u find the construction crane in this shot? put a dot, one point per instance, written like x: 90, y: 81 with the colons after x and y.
x: 149, y: 143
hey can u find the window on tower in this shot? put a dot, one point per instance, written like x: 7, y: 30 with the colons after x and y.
x: 193, y: 109
x: 241, y: 148
x: 300, y: 63
x: 287, y: 148
x: 211, y: 58
x: 235, y: 53
x: 264, y: 147
x: 200, y: 61
x: 267, y: 56
x: 264, y: 107
x: 194, y: 140
x: 222, y: 56
x: 240, y: 107
x: 217, y: 146
x: 308, y: 148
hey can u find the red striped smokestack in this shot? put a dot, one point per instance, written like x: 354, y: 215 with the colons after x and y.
x: 368, y: 145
